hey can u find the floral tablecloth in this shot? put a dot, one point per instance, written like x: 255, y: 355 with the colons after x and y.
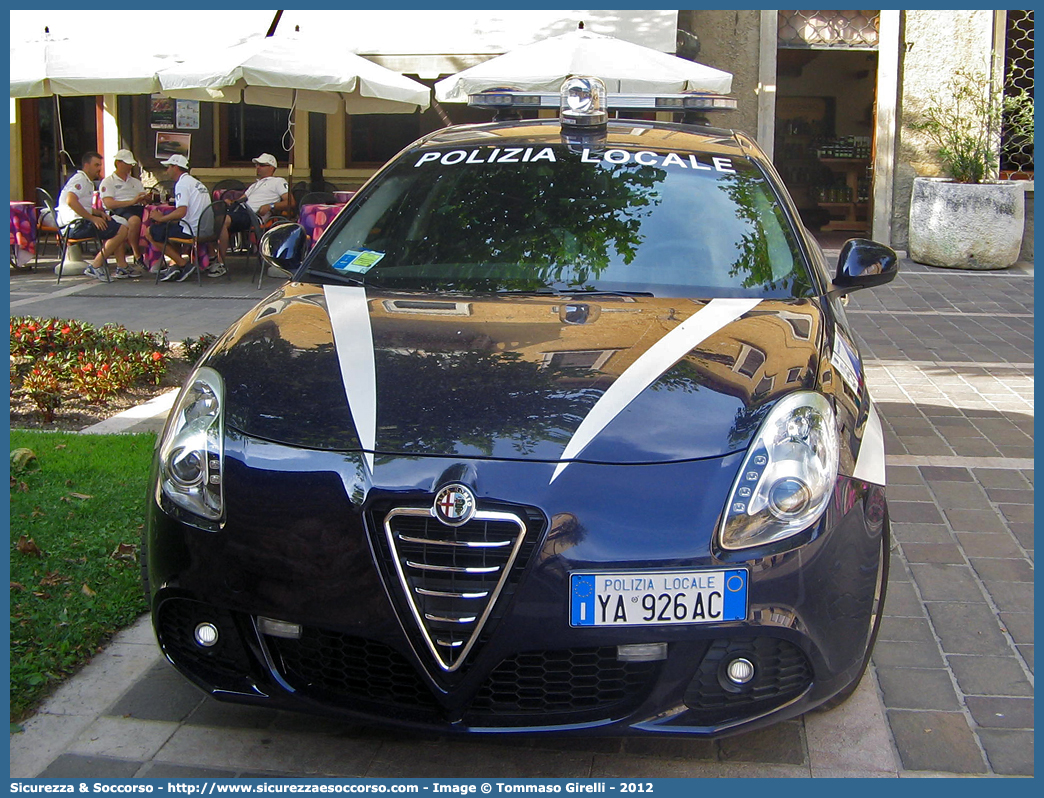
x: 154, y: 257
x: 23, y: 232
x: 316, y: 218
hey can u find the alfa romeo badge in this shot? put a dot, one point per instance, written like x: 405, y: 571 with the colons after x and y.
x: 454, y: 505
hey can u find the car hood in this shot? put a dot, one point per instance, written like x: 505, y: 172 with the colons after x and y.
x: 603, y: 379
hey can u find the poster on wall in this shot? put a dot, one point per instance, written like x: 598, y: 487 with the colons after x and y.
x: 162, y: 117
x: 168, y: 144
x: 188, y: 114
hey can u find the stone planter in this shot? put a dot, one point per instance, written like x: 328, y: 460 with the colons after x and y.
x: 965, y: 226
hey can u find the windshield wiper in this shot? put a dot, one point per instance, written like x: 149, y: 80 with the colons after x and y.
x: 350, y: 279
x: 581, y: 292
x: 528, y: 291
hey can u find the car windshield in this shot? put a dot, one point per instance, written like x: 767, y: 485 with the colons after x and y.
x: 547, y: 218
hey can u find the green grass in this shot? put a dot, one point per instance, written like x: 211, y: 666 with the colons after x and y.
x: 81, y: 501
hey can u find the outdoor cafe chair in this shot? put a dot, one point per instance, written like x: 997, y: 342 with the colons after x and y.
x: 298, y: 191
x: 210, y: 223
x: 224, y: 185
x: 46, y: 223
x: 317, y: 198
x: 65, y: 239
x: 257, y: 229
x: 302, y: 189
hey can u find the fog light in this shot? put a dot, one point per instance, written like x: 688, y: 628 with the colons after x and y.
x: 641, y: 652
x: 740, y: 671
x: 274, y: 628
x: 206, y: 634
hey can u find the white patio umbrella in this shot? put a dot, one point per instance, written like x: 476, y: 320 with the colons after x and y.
x: 624, y: 67
x: 61, y: 67
x: 284, y: 71
x: 74, y: 68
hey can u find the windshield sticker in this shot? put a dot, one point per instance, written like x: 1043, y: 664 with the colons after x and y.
x: 484, y: 155
x: 357, y: 261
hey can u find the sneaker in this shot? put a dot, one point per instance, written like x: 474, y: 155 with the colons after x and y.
x: 169, y: 273
x: 217, y: 270
x: 122, y: 274
x: 140, y: 265
x: 188, y: 271
x: 275, y: 271
x: 97, y: 274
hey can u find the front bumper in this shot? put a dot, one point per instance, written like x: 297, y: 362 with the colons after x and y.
x: 300, y: 545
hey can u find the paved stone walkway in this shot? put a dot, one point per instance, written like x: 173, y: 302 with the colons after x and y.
x: 950, y: 361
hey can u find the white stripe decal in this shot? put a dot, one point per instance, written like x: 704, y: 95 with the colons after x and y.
x: 870, y: 464
x: 353, y: 338
x: 648, y: 368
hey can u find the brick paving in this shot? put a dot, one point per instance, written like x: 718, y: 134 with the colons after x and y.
x: 949, y: 358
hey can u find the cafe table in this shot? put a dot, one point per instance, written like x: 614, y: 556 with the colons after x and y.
x: 23, y: 233
x: 153, y: 256
x: 316, y: 218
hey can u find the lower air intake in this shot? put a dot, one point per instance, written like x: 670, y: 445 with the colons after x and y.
x: 329, y: 665
x: 576, y: 680
x: 225, y: 665
x: 781, y: 673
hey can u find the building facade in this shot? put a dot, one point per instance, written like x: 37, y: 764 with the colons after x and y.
x: 832, y: 95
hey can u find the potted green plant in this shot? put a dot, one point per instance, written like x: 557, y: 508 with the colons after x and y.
x: 969, y: 219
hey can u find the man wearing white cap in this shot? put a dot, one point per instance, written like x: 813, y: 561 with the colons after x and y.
x: 191, y: 198
x: 76, y: 212
x: 124, y: 196
x: 267, y: 195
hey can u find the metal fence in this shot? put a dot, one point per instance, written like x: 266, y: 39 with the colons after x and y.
x: 1017, y: 143
x: 827, y: 30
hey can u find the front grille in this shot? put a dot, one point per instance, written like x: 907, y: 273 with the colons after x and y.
x: 225, y: 665
x: 452, y: 577
x: 781, y: 673
x: 545, y: 682
x: 329, y: 665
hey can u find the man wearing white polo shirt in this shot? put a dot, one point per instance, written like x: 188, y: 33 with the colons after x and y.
x: 267, y: 195
x: 124, y: 196
x: 191, y: 198
x: 76, y: 212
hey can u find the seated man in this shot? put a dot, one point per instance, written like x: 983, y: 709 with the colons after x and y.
x: 124, y: 197
x: 191, y: 198
x: 75, y: 210
x: 267, y: 195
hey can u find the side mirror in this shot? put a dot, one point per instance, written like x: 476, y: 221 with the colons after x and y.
x: 283, y: 246
x: 864, y: 264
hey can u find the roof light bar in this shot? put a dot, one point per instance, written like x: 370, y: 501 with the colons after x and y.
x: 701, y: 101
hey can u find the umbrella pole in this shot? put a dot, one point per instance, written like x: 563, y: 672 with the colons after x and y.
x: 59, y: 138
x: 288, y: 138
x: 59, y: 146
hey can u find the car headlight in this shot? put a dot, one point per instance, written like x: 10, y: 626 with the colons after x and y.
x: 788, y: 475
x: 192, y: 450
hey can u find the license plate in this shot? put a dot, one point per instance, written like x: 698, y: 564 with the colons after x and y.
x: 656, y: 598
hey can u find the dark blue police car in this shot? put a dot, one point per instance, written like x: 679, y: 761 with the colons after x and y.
x: 560, y: 427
